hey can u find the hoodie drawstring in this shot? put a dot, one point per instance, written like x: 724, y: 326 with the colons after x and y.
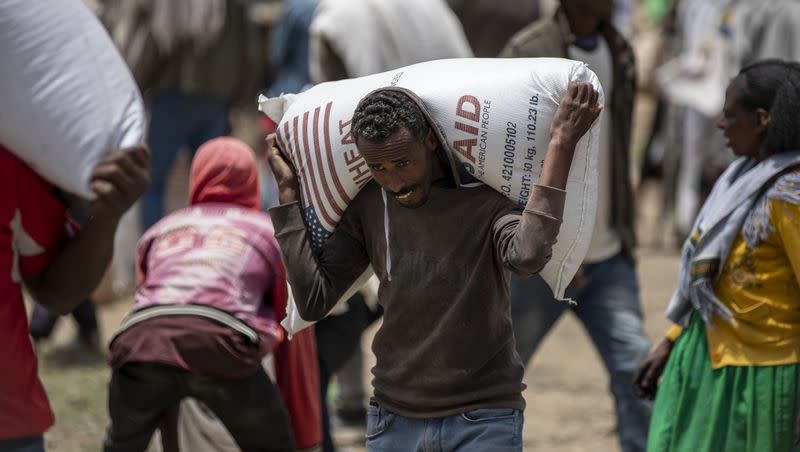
x: 386, y: 229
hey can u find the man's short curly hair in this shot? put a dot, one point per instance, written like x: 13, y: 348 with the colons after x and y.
x: 382, y: 113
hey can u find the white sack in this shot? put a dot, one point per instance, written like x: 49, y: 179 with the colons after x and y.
x: 200, y: 429
x: 493, y: 115
x: 68, y: 97
x: 371, y: 36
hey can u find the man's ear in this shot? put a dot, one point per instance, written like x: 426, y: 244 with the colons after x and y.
x: 762, y: 116
x: 431, y: 142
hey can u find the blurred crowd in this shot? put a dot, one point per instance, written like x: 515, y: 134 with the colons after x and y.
x: 685, y: 52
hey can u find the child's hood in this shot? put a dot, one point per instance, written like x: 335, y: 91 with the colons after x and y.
x: 224, y: 170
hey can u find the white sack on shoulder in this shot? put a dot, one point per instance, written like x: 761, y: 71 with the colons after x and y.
x: 492, y: 115
x: 68, y: 97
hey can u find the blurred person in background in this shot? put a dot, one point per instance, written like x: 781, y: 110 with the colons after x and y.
x: 765, y: 30
x: 201, y: 330
x: 59, y: 267
x: 289, y: 73
x: 606, y: 287
x: 622, y: 14
x: 289, y: 52
x: 711, y: 41
x: 488, y: 24
x: 193, y: 60
x: 692, y: 83
x: 622, y: 17
x: 653, y: 124
x: 730, y: 365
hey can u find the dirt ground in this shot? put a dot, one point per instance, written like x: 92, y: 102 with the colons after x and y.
x: 569, y: 408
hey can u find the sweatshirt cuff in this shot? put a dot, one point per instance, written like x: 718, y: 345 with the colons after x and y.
x: 287, y: 217
x: 547, y: 202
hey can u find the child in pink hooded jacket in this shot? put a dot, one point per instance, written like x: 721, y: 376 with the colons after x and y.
x: 210, y: 285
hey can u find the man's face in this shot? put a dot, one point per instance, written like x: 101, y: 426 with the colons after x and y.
x: 403, y: 165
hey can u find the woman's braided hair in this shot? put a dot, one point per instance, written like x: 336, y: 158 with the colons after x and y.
x: 773, y: 85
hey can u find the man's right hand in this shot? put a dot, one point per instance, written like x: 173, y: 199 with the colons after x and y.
x: 576, y: 113
x: 283, y: 172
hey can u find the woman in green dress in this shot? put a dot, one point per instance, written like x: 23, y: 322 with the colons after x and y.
x: 728, y: 370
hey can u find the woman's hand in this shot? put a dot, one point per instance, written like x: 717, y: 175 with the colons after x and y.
x: 796, y: 430
x: 645, y: 380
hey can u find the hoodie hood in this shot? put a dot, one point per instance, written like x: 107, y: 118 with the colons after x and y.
x: 457, y: 170
x: 460, y: 177
x: 224, y: 170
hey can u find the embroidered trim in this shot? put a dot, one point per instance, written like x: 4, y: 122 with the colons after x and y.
x: 757, y: 226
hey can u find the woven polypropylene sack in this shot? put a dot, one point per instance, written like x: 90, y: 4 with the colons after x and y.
x: 492, y: 115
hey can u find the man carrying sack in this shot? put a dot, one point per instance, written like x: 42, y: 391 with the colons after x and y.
x: 446, y: 370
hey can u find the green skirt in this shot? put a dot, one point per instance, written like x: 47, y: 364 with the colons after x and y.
x: 735, y: 408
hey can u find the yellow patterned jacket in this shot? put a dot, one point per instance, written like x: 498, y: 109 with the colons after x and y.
x: 760, y: 283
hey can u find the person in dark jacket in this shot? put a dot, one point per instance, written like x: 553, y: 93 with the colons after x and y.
x: 606, y: 288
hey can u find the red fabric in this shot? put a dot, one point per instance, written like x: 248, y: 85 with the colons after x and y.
x: 192, y: 343
x: 268, y: 126
x: 33, y: 228
x: 224, y: 170
x: 297, y: 375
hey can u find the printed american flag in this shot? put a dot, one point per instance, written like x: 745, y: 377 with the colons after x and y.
x: 314, y: 227
x: 307, y: 139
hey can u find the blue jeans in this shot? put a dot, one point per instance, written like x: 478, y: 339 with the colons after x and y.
x: 610, y: 310
x: 177, y: 121
x: 31, y: 444
x: 496, y: 430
